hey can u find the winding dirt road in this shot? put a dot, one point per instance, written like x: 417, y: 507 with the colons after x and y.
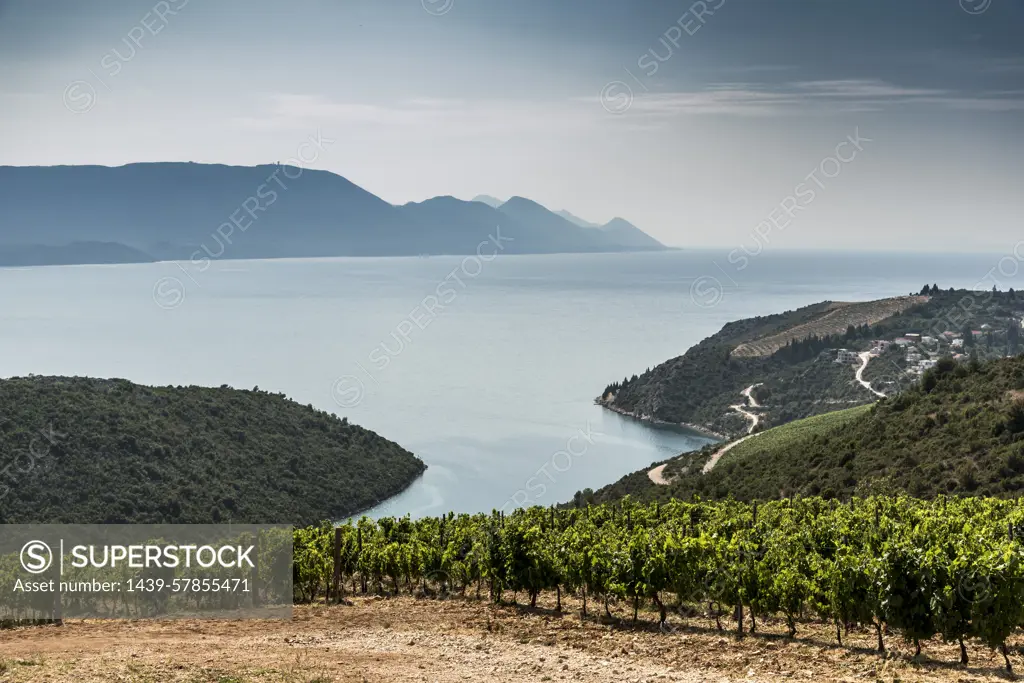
x: 710, y: 464
x: 865, y: 356
x: 754, y: 418
x: 657, y: 475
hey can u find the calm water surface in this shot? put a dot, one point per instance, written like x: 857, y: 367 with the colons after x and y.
x: 487, y: 371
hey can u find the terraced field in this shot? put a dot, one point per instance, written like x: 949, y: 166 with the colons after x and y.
x: 839, y: 316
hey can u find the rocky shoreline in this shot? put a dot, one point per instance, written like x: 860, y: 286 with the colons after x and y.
x: 706, y: 431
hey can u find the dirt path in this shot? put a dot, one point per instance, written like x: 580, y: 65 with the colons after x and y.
x: 754, y: 418
x: 657, y: 475
x: 710, y: 464
x: 750, y: 397
x: 865, y: 356
x: 468, y: 641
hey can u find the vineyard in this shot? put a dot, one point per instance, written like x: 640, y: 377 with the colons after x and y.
x: 785, y: 436
x: 912, y: 569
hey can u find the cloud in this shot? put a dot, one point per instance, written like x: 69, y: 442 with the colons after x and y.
x: 438, y: 116
x: 816, y: 97
x: 285, y: 110
x: 716, y: 99
x: 861, y: 88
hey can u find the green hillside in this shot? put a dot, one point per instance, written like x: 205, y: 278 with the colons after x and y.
x: 959, y: 430
x: 108, y: 451
x: 791, y: 434
x: 792, y: 357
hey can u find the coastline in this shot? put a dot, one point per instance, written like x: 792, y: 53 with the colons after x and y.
x: 341, y: 520
x: 703, y: 431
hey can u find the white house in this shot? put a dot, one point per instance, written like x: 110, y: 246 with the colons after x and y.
x: 845, y: 356
x: 957, y: 343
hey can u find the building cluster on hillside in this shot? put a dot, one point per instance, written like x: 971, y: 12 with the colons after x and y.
x: 921, y: 352
x: 993, y: 329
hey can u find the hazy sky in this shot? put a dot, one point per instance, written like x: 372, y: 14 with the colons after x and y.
x: 696, y: 121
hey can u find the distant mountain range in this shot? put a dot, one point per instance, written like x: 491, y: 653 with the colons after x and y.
x: 487, y: 199
x: 618, y: 230
x: 181, y: 211
x: 576, y: 219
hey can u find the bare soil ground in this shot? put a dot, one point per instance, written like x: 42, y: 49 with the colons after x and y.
x: 407, y: 639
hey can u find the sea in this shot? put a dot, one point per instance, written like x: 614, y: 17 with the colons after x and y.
x: 485, y: 367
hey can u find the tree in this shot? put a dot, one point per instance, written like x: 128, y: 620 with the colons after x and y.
x: 968, y: 335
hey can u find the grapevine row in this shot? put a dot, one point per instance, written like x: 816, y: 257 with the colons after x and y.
x: 948, y: 567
